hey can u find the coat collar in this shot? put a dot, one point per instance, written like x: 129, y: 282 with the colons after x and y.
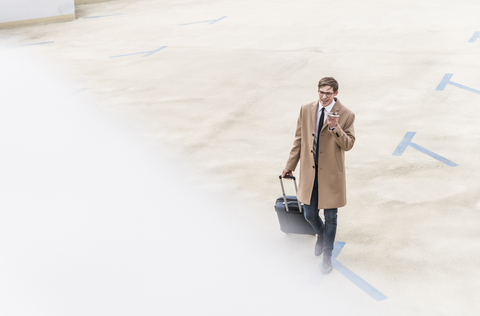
x: 337, y: 107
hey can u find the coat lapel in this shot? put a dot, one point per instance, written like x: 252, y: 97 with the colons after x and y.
x: 336, y: 108
x: 314, y: 115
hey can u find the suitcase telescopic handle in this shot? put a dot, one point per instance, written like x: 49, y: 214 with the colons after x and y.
x: 285, y: 197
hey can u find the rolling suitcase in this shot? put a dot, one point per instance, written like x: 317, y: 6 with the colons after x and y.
x: 290, y: 213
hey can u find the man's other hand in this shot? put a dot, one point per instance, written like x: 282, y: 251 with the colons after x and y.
x: 287, y: 172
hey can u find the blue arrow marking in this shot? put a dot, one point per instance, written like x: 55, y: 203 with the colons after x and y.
x: 149, y: 53
x: 211, y: 21
x: 407, y: 141
x: 355, y: 279
x: 446, y: 80
x: 475, y: 36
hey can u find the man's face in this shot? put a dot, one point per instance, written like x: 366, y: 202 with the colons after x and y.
x: 326, y: 95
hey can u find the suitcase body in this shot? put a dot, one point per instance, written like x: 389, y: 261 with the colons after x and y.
x: 290, y: 217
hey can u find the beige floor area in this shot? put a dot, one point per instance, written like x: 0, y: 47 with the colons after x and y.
x: 217, y: 85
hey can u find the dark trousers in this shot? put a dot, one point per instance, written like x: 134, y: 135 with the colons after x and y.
x: 327, y: 229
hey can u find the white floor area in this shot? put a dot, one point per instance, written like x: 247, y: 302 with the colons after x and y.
x: 143, y: 141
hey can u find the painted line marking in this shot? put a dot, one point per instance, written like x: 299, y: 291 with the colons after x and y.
x: 358, y: 281
x: 211, y: 21
x: 446, y: 80
x: 475, y: 36
x: 146, y: 54
x: 101, y: 16
x: 337, y: 247
x: 35, y: 44
x: 355, y: 279
x: 407, y: 141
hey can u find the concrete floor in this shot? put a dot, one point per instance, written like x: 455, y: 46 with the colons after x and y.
x: 222, y: 100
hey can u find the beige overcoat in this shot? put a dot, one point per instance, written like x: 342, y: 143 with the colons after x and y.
x: 331, y: 163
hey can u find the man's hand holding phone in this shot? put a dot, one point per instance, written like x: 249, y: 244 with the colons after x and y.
x: 332, y: 119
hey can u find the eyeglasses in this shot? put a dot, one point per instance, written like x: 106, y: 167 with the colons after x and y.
x: 328, y: 94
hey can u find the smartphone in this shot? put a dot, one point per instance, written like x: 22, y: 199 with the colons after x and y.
x: 332, y: 114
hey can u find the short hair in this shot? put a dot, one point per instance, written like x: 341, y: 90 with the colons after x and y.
x: 329, y: 81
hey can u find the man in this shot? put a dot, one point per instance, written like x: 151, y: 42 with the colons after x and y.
x: 324, y: 132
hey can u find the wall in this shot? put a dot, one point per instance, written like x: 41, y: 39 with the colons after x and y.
x: 24, y: 12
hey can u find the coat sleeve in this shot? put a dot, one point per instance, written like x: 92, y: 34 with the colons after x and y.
x: 294, y: 156
x: 345, y: 136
